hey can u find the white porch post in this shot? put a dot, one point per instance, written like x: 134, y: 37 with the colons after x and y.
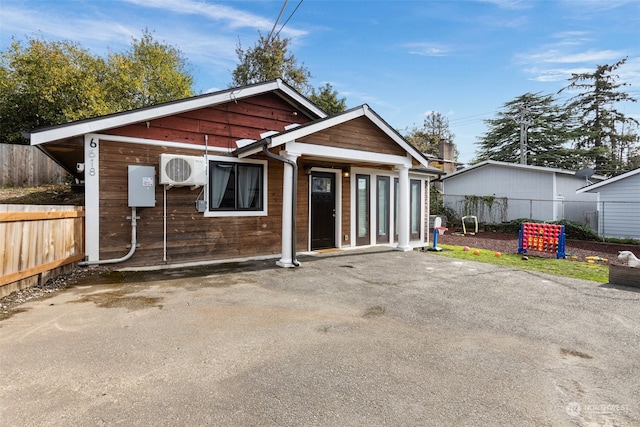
x: 92, y: 197
x: 287, y: 205
x: 404, y: 209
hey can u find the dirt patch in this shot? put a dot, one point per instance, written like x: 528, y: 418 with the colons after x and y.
x: 121, y: 298
x: 52, y: 194
x: 375, y: 311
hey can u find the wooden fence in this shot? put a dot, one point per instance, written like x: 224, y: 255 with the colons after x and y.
x: 24, y: 165
x: 38, y: 242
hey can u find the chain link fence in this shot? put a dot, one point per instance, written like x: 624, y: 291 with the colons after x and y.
x: 607, y: 218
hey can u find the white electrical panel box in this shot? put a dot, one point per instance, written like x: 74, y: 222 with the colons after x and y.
x: 142, y: 186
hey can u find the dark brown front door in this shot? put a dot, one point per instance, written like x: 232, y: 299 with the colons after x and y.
x: 323, y: 210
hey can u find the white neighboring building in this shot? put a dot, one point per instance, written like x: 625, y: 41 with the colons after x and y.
x: 618, y: 205
x: 519, y: 191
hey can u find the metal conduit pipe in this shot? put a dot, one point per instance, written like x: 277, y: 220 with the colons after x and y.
x: 127, y: 256
x: 294, y: 189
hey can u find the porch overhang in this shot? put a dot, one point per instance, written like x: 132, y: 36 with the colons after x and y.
x: 290, y: 137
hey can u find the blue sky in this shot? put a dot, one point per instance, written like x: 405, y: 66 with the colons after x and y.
x: 464, y: 59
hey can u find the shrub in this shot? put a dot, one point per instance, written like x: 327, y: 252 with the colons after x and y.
x: 576, y: 231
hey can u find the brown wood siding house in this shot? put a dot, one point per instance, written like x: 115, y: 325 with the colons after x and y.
x: 358, y: 182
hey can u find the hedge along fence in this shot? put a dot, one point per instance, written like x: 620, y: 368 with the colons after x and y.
x: 24, y: 165
x: 37, y: 243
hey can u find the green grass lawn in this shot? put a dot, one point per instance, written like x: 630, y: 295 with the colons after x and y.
x: 558, y: 267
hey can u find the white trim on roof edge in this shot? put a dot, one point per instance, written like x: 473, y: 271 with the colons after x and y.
x: 514, y: 166
x: 347, y: 154
x: 163, y: 110
x: 608, y: 181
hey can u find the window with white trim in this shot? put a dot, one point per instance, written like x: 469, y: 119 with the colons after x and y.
x: 236, y: 187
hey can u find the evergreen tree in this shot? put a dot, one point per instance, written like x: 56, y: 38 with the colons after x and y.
x: 435, y: 128
x: 327, y: 99
x: 546, y: 126
x: 601, y: 127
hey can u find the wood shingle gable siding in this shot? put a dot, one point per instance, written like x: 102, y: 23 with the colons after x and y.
x: 224, y: 124
x: 358, y: 134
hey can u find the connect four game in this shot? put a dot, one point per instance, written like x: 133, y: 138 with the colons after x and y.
x: 547, y: 238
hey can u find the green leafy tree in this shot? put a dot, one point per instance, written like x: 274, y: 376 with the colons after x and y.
x: 267, y: 60
x: 545, y: 125
x: 601, y: 127
x: 327, y: 99
x: 149, y: 73
x: 435, y: 129
x: 46, y: 83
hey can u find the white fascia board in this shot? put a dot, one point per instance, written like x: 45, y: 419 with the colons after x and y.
x: 296, y: 133
x: 347, y: 154
x: 155, y: 142
x: 301, y: 99
x: 508, y: 165
x: 146, y: 114
x: 393, y: 135
x: 607, y: 181
x: 305, y: 130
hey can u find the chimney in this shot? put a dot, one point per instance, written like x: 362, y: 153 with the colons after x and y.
x: 446, y: 151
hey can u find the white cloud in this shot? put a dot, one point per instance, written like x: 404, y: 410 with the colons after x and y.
x: 232, y: 17
x: 557, y: 56
x: 571, y: 52
x: 510, y: 4
x: 596, y: 5
x: 427, y: 49
x: 32, y: 24
x: 555, y: 74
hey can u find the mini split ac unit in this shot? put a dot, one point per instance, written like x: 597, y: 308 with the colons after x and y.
x: 178, y: 170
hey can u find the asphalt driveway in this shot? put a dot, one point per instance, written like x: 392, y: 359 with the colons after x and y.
x: 349, y: 339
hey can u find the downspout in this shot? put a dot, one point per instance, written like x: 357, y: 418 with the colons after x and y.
x: 127, y: 256
x: 294, y: 189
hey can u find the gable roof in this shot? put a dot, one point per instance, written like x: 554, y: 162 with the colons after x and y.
x: 98, y: 124
x: 517, y: 166
x: 319, y: 125
x: 609, y: 181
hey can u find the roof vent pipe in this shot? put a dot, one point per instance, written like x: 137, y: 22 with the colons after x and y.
x: 294, y: 190
x: 134, y: 243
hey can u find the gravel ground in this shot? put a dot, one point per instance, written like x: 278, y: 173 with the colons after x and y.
x: 11, y: 303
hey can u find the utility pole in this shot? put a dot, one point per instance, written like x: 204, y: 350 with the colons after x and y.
x: 524, y: 126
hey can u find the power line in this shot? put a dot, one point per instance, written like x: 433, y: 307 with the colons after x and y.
x: 275, y: 24
x: 290, y: 16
